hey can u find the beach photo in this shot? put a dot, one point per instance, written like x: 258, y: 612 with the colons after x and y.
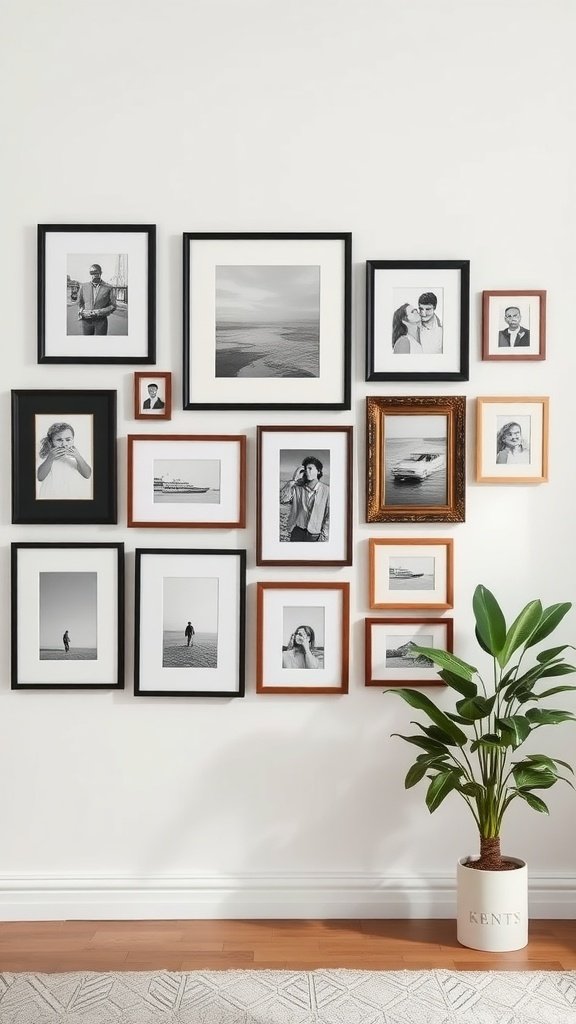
x: 415, y: 460
x: 400, y: 653
x: 187, y: 481
x: 267, y: 321
x: 64, y: 456
x: 410, y: 572
x: 303, y: 637
x: 68, y: 616
x: 391, y: 656
x: 190, y: 622
x: 97, y: 294
x: 304, y: 489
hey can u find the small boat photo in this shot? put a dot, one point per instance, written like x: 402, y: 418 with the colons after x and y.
x: 419, y: 465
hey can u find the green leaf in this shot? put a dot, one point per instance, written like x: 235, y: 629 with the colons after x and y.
x: 432, y: 759
x: 436, y: 733
x: 490, y: 622
x: 533, y: 801
x: 557, y: 669
x: 550, y: 762
x: 548, y: 716
x: 555, y: 689
x: 462, y: 685
x: 490, y: 741
x: 414, y: 775
x: 533, y: 778
x: 549, y: 619
x: 471, y: 789
x: 476, y: 708
x: 457, y: 718
x: 439, y: 789
x: 447, y: 661
x: 520, y: 630
x: 551, y: 653
x: 423, y: 703
x: 481, y: 642
x: 432, y: 746
x: 517, y: 727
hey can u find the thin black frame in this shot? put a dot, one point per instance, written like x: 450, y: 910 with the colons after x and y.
x: 150, y: 230
x: 241, y: 554
x: 15, y: 685
x: 464, y: 267
x: 26, y: 508
x: 344, y: 237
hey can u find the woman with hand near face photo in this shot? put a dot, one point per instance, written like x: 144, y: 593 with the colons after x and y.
x: 63, y: 473
x: 301, y: 652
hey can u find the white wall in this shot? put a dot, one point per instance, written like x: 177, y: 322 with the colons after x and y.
x: 430, y: 130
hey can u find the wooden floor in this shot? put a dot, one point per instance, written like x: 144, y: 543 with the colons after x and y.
x: 298, y: 945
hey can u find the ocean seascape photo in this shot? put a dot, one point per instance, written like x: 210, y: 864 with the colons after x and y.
x: 411, y: 573
x: 190, y: 622
x: 188, y: 481
x: 68, y: 616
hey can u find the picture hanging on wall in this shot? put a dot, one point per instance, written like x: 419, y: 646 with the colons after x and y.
x: 412, y: 572
x: 302, y: 638
x: 152, y: 395
x: 96, y: 293
x: 187, y: 480
x: 514, y: 325
x: 267, y: 321
x: 416, y: 459
x: 390, y: 658
x: 190, y: 623
x: 67, y: 616
x: 417, y: 320
x: 64, y: 457
x: 512, y: 440
x: 304, y: 514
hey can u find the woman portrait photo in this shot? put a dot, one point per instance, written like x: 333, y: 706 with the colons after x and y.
x: 303, y: 637
x: 64, y: 458
x: 405, y: 330
x: 513, y: 442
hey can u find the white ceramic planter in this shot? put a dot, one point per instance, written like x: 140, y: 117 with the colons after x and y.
x: 492, y: 907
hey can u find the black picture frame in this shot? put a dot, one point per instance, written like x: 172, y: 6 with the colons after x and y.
x: 118, y: 631
x: 27, y: 508
x: 337, y: 350
x: 50, y: 335
x: 379, y: 346
x: 231, y: 655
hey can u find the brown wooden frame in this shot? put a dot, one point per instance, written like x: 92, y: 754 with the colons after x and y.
x: 314, y: 549
x: 369, y: 622
x: 452, y: 406
x: 447, y: 542
x: 519, y: 357
x: 513, y: 400
x: 261, y: 685
x: 164, y: 375
x: 240, y: 523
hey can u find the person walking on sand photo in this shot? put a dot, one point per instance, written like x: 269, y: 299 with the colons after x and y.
x: 66, y: 641
x: 189, y: 633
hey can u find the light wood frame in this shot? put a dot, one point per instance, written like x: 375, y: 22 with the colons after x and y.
x: 512, y: 478
x: 487, y: 296
x: 417, y: 542
x: 370, y: 623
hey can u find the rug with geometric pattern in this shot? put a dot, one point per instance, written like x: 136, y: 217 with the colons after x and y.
x: 290, y: 997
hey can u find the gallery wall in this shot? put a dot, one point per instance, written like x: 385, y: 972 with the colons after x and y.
x: 430, y: 131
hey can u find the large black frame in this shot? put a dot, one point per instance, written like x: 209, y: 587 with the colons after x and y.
x: 26, y: 508
x: 372, y: 267
x: 150, y: 230
x: 346, y: 239
x: 15, y: 685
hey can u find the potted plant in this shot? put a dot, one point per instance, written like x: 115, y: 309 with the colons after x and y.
x: 473, y: 751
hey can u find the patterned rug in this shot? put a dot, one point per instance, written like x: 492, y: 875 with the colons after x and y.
x: 290, y: 997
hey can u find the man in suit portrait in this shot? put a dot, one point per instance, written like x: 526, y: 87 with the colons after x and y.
x: 513, y: 335
x: 153, y: 402
x: 96, y: 301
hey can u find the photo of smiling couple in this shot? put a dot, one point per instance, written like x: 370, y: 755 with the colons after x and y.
x: 417, y: 326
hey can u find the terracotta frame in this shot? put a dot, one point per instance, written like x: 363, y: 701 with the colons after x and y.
x: 446, y: 543
x: 371, y: 623
x: 166, y: 377
x: 318, y: 552
x: 238, y: 521
x: 378, y: 410
x: 515, y: 474
x: 512, y: 355
x: 263, y: 685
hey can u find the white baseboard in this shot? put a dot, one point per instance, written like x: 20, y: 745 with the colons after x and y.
x: 326, y: 896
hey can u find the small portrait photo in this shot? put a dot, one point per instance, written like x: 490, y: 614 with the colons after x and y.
x: 187, y: 481
x: 153, y: 396
x: 417, y: 321
x: 514, y: 325
x: 416, y: 460
x: 392, y: 658
x: 68, y: 616
x: 64, y: 457
x: 303, y: 637
x: 304, y: 490
x: 96, y: 294
x: 513, y: 440
x: 190, y: 622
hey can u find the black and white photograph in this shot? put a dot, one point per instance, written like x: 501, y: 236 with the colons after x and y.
x: 153, y: 395
x: 303, y: 637
x: 64, y: 457
x: 414, y: 572
x: 96, y: 293
x: 416, y: 460
x: 304, y: 510
x: 267, y: 321
x: 417, y: 320
x: 391, y: 658
x: 191, y: 481
x: 67, y: 616
x: 190, y: 622
x: 304, y: 496
x: 512, y: 440
x: 411, y: 573
x: 514, y: 325
x: 189, y: 638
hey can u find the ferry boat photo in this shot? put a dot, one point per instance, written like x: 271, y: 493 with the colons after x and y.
x: 166, y: 485
x: 404, y: 574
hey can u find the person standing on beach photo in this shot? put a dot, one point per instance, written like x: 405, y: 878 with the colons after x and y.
x: 189, y: 633
x: 66, y: 641
x: 309, y: 500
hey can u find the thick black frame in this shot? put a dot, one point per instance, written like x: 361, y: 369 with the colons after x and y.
x: 26, y: 508
x: 464, y: 267
x: 15, y: 685
x: 240, y: 692
x: 346, y: 238
x: 150, y: 230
